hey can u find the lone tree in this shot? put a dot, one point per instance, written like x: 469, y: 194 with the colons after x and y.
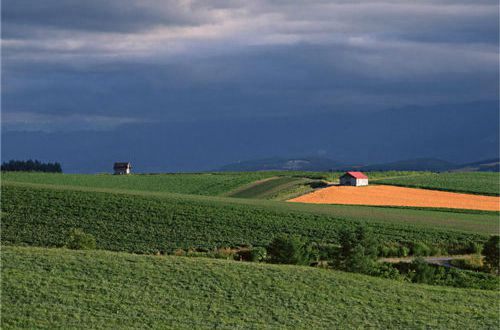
x: 285, y: 249
x: 491, y: 252
x: 358, y: 250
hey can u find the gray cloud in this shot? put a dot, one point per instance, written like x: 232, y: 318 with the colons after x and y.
x: 186, y: 60
x: 22, y: 17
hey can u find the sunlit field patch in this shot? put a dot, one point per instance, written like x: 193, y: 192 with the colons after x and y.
x: 399, y: 196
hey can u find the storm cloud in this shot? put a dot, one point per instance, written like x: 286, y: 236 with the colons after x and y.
x: 98, y: 65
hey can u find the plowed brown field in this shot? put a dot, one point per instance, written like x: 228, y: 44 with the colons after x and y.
x: 399, y: 196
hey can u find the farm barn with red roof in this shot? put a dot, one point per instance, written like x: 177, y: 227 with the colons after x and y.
x: 353, y: 179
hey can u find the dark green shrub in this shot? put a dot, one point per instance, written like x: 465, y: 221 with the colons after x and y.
x: 386, y: 270
x: 286, y: 249
x: 255, y: 254
x: 435, y: 251
x: 327, y: 251
x: 420, y: 249
x: 474, y: 247
x: 403, y: 251
x: 491, y: 253
x: 79, y: 240
x: 384, y: 251
x: 422, y: 272
x: 390, y: 250
x: 318, y: 184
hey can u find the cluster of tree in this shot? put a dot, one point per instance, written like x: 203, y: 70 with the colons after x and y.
x: 31, y: 166
x: 358, y: 252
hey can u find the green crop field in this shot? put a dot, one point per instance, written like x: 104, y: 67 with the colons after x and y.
x: 57, y: 288
x: 198, y: 184
x: 149, y: 222
x: 46, y: 286
x: 473, y: 183
x: 207, y: 184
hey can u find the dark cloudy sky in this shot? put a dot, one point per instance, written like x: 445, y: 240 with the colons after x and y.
x: 72, y: 65
x: 69, y: 64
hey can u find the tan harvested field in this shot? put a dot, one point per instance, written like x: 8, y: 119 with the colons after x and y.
x: 399, y: 196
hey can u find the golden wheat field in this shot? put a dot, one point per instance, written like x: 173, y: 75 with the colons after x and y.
x: 399, y: 196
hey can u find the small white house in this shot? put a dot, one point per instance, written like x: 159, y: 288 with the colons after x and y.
x: 122, y: 168
x: 353, y: 179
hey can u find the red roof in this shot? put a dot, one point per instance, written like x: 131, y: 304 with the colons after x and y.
x: 357, y: 175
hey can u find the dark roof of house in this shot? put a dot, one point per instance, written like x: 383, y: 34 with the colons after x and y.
x: 122, y: 165
x: 357, y: 175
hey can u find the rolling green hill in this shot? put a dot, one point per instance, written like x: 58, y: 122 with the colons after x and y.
x: 278, y: 188
x: 56, y: 288
x: 472, y: 183
x: 143, y: 222
x: 185, y: 183
x: 156, y: 214
x: 262, y: 185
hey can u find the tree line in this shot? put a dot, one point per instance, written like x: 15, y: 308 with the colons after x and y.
x: 31, y: 166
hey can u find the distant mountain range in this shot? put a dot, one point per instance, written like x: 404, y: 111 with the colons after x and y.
x: 324, y: 164
x: 284, y: 164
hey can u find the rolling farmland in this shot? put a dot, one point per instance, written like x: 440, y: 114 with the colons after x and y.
x: 198, y: 184
x: 155, y: 215
x: 145, y: 223
x: 472, y: 183
x: 206, y: 184
x: 57, y: 288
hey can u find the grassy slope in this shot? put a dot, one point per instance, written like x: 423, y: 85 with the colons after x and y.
x: 198, y: 184
x: 149, y: 222
x: 475, y: 183
x: 270, y: 189
x: 208, y: 184
x: 52, y: 288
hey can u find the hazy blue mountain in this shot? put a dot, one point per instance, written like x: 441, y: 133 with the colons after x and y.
x: 325, y: 164
x: 284, y: 164
x: 487, y: 165
x: 419, y: 164
x: 455, y: 133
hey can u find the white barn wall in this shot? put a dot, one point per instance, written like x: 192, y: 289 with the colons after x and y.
x: 361, y: 182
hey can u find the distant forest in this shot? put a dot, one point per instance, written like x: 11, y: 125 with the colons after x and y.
x: 31, y: 166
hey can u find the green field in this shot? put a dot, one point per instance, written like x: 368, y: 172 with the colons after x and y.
x: 207, y: 184
x: 278, y: 188
x: 56, y: 288
x: 198, y: 183
x: 46, y: 286
x: 473, y: 183
x: 149, y: 222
